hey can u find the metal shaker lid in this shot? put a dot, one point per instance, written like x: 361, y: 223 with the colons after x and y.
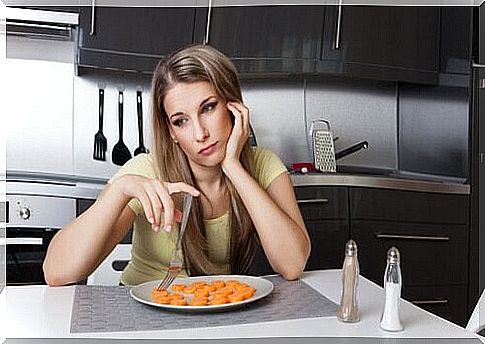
x: 350, y: 248
x: 393, y: 255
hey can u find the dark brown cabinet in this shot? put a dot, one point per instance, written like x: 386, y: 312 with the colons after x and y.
x: 132, y: 38
x: 456, y: 40
x: 391, y: 42
x: 325, y: 211
x: 431, y: 231
x: 269, y: 39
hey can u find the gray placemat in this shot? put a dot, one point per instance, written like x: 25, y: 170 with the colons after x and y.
x: 111, y: 309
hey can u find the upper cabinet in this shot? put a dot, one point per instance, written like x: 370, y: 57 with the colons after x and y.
x: 132, y: 38
x: 416, y: 44
x: 269, y: 39
x: 391, y: 42
x: 481, y: 34
x: 456, y: 40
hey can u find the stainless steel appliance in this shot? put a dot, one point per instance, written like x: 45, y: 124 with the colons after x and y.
x: 31, y: 222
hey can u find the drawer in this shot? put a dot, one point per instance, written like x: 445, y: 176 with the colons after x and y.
x: 328, y: 240
x: 322, y: 202
x: 408, y: 206
x: 448, y: 302
x: 430, y: 254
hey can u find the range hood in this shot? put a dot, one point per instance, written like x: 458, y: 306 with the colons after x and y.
x: 40, y: 24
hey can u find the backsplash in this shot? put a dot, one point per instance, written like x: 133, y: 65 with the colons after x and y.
x: 281, y: 113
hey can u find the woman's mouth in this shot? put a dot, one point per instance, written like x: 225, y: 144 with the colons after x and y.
x: 208, y: 150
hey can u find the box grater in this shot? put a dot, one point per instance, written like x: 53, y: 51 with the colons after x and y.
x: 323, y: 149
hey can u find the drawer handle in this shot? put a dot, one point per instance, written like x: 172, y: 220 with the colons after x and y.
x: 412, y: 237
x: 430, y: 302
x: 315, y: 200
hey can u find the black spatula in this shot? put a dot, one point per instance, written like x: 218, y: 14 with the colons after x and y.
x: 141, y: 148
x: 121, y: 154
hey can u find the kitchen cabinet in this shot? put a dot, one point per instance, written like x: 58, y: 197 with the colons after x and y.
x: 431, y: 232
x: 289, y: 38
x: 325, y: 212
x: 391, y: 42
x: 132, y: 38
x: 456, y: 40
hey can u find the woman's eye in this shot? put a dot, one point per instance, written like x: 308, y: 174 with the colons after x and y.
x: 179, y: 122
x: 209, y: 107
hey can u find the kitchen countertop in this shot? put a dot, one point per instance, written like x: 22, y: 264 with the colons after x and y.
x: 45, y: 312
x: 395, y: 182
x: 89, y: 188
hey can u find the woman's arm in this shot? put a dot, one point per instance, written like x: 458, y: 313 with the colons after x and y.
x: 77, y: 250
x: 275, y: 213
x: 277, y: 219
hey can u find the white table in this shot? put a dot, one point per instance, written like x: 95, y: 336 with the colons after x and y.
x: 45, y: 312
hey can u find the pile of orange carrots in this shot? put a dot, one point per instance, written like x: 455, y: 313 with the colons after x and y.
x: 216, y: 292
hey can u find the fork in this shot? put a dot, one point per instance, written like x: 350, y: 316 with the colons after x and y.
x: 100, y: 143
x: 176, y: 262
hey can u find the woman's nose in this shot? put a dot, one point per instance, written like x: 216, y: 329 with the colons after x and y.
x: 200, y: 131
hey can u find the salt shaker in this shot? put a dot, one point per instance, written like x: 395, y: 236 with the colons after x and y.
x: 390, y: 320
x: 348, y: 310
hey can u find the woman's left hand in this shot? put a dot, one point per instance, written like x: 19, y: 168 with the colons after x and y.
x: 239, y: 135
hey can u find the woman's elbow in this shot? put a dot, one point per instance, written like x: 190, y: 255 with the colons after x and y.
x: 52, y: 277
x: 296, y: 271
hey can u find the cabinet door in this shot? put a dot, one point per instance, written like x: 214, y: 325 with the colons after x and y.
x: 132, y: 38
x: 322, y: 202
x: 430, y: 254
x: 391, y: 43
x: 268, y: 38
x: 448, y: 302
x: 456, y: 37
x: 481, y: 34
x: 408, y: 206
x: 328, y: 240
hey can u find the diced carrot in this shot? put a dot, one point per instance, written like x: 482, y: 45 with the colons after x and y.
x: 178, y: 287
x: 218, y: 301
x: 198, y: 302
x: 235, y: 297
x: 178, y: 302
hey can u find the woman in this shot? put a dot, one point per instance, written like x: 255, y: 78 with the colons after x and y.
x: 243, y: 197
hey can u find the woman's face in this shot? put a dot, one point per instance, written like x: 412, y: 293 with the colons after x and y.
x: 199, y: 120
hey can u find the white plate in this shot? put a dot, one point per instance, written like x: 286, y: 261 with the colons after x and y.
x: 143, y: 292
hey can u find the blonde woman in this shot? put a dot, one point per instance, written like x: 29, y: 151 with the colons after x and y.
x: 243, y: 195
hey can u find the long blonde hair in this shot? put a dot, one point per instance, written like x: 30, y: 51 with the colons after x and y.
x: 187, y: 65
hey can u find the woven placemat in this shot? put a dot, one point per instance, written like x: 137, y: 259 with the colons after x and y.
x: 111, y: 309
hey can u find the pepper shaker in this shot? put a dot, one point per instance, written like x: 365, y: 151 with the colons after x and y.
x: 390, y: 320
x: 348, y: 310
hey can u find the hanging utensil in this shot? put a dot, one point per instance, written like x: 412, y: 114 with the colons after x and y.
x: 139, y: 110
x: 100, y: 142
x: 121, y: 154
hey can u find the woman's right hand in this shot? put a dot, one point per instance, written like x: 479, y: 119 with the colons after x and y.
x: 155, y: 198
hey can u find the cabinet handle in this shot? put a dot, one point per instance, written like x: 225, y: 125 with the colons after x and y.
x: 93, y: 5
x: 315, y: 200
x: 339, y: 20
x: 481, y: 83
x: 430, y: 302
x: 24, y: 241
x: 478, y: 65
x: 208, y: 24
x: 412, y: 237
